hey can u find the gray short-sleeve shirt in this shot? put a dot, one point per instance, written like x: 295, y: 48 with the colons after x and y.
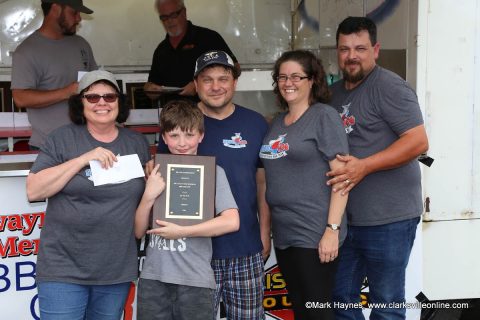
x: 45, y: 64
x: 186, y: 261
x: 296, y: 158
x: 374, y: 115
x: 88, y: 236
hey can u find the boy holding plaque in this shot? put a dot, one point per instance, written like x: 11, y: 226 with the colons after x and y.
x: 177, y: 280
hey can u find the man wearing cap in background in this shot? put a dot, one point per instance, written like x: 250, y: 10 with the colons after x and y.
x: 174, y: 59
x: 234, y: 134
x: 45, y: 67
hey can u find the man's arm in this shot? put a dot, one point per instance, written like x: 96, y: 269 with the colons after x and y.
x: 149, y: 87
x: 32, y: 98
x: 264, y: 218
x: 409, y: 145
x: 189, y: 90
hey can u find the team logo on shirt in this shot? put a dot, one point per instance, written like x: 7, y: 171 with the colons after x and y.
x: 348, y: 120
x: 275, y: 149
x: 235, y: 142
x: 84, y: 54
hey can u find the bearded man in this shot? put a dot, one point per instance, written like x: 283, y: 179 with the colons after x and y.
x: 386, y: 134
x: 45, y: 67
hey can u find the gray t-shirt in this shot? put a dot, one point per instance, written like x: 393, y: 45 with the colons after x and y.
x: 186, y: 261
x: 375, y: 114
x: 88, y: 236
x: 45, y: 64
x: 296, y: 158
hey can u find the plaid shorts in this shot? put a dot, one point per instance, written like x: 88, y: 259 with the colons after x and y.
x: 240, y: 285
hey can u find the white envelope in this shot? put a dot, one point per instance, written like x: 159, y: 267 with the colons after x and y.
x: 126, y: 168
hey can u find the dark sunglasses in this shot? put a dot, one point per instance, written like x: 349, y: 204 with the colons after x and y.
x: 107, y: 97
x: 173, y: 15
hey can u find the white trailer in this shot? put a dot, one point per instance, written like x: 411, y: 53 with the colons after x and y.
x: 448, y: 88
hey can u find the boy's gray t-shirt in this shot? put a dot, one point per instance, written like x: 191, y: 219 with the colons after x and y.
x: 186, y: 261
x: 88, y: 237
x: 41, y: 63
x: 296, y: 159
x: 375, y: 114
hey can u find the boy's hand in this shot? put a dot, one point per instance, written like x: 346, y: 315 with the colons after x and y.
x: 167, y: 230
x: 155, y: 184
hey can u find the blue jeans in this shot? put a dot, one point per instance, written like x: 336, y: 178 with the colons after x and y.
x: 381, y: 254
x: 68, y: 301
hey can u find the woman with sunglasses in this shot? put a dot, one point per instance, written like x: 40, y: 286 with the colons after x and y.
x: 87, y: 257
x: 307, y: 218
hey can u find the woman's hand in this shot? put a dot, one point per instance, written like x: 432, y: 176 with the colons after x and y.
x: 155, y: 184
x: 149, y: 168
x: 104, y: 156
x: 328, y: 245
x: 167, y: 230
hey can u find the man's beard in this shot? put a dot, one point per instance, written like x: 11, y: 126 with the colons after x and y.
x: 66, y: 30
x: 353, y: 78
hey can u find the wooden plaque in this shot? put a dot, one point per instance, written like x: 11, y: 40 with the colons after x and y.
x: 189, y: 195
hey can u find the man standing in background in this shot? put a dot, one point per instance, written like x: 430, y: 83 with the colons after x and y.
x: 174, y: 59
x: 384, y: 124
x: 45, y: 67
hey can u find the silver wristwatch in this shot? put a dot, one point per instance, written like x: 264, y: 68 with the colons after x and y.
x: 333, y: 226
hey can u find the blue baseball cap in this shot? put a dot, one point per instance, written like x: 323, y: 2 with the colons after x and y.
x: 213, y: 57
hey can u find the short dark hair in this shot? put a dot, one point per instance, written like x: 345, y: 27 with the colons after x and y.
x: 235, y: 71
x: 46, y: 7
x: 355, y: 25
x: 75, y: 105
x: 313, y: 68
x: 183, y: 114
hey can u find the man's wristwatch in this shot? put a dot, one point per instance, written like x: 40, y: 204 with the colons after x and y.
x: 333, y: 226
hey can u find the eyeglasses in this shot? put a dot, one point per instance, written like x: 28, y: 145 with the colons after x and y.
x: 293, y: 78
x: 173, y: 15
x: 107, y: 97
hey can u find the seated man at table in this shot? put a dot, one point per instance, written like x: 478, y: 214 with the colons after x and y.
x: 174, y: 59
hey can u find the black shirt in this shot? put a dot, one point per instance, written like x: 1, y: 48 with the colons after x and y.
x: 174, y: 67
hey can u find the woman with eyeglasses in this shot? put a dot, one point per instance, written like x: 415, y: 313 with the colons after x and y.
x: 88, y: 256
x: 308, y: 222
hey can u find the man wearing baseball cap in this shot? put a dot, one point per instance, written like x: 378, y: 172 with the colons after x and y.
x: 46, y: 64
x: 234, y: 134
